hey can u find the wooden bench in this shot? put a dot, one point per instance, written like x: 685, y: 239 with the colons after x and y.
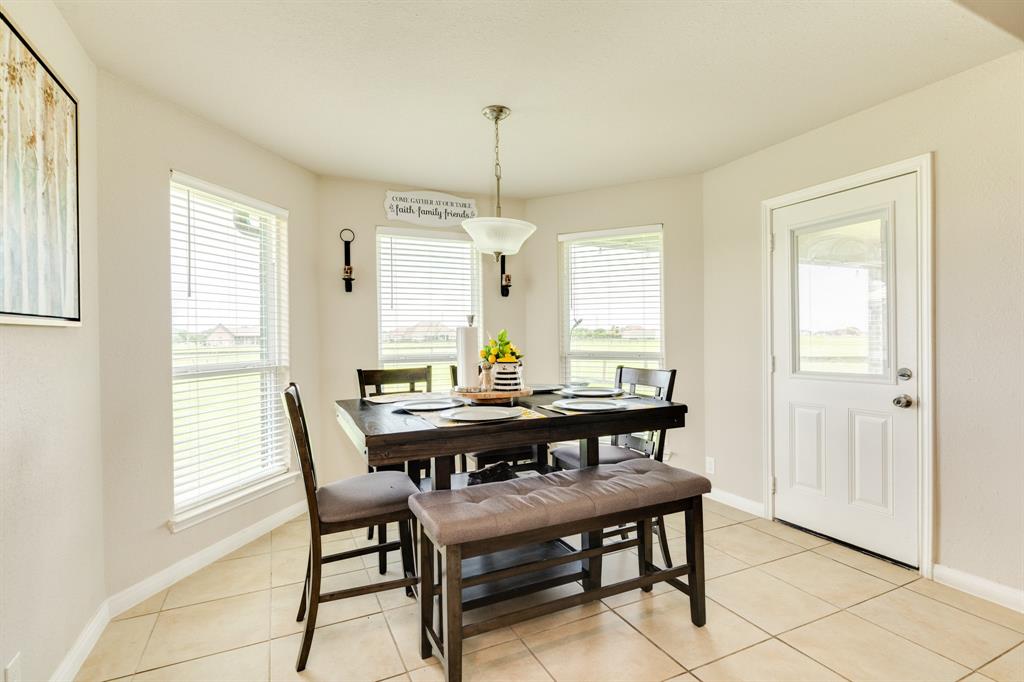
x: 483, y: 519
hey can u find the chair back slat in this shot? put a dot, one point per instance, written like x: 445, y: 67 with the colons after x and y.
x: 636, y: 379
x: 300, y: 439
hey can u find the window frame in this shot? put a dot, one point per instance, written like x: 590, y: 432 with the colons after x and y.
x: 564, y: 355
x: 476, y: 292
x: 274, y: 358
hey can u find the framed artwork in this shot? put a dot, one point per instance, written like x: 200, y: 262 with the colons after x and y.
x: 39, y: 250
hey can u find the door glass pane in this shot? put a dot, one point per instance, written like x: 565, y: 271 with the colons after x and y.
x: 842, y: 283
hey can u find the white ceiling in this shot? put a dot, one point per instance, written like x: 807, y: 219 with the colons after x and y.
x: 601, y: 93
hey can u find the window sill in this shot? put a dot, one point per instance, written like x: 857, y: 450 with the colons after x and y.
x: 199, y: 514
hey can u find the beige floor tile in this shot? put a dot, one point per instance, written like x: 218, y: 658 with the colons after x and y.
x: 360, y: 649
x: 712, y: 520
x: 390, y: 599
x: 966, y: 602
x: 622, y: 566
x: 506, y: 662
x: 208, y: 628
x: 748, y: 545
x: 716, y: 562
x: 766, y: 601
x: 603, y: 647
x: 284, y: 604
x: 665, y: 620
x: 221, y: 579
x: 248, y: 664
x: 405, y: 627
x: 118, y: 650
x: 787, y: 533
x: 859, y: 650
x: 726, y: 511
x: 869, y: 564
x: 685, y: 677
x: 399, y: 678
x: 1007, y: 668
x: 145, y: 607
x: 830, y: 580
x: 977, y: 677
x: 290, y: 535
x: 289, y: 565
x: 260, y: 545
x: 770, y: 661
x: 946, y: 630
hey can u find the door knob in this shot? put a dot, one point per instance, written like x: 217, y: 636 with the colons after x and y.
x: 903, y: 401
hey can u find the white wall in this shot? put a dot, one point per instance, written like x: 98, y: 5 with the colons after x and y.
x: 51, y: 468
x: 141, y: 139
x: 348, y: 321
x: 674, y: 202
x: 974, y: 122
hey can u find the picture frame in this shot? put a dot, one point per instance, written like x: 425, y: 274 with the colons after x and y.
x: 40, y: 250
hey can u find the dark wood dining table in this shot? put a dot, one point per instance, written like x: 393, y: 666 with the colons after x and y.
x: 390, y: 437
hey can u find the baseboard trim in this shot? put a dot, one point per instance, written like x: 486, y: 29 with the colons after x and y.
x: 1004, y: 595
x: 741, y: 503
x: 83, y: 645
x: 146, y: 588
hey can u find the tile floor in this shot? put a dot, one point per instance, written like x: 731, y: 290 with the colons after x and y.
x: 782, y: 605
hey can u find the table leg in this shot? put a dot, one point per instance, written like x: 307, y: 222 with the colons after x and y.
x: 592, y: 566
x: 442, y: 474
x: 540, y: 454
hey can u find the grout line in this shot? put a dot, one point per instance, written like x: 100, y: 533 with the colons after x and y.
x: 970, y: 613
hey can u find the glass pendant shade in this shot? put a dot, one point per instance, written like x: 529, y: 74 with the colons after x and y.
x: 500, y: 236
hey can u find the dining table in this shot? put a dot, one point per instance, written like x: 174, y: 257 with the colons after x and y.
x: 388, y: 436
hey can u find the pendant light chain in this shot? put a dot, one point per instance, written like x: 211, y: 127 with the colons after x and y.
x: 497, y: 169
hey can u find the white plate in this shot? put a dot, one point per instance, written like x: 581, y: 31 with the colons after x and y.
x: 430, y: 404
x: 591, y: 392
x: 590, y: 405
x: 486, y: 413
x: 546, y: 388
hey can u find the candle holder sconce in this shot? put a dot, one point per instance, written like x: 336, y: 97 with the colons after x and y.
x: 346, y: 273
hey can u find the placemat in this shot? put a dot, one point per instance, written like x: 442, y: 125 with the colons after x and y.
x: 435, y: 418
x: 632, y: 405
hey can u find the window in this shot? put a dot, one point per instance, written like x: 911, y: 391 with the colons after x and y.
x: 229, y: 342
x: 428, y: 281
x: 611, y: 302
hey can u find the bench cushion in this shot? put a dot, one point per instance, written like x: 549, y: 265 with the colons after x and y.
x: 489, y: 510
x: 364, y: 497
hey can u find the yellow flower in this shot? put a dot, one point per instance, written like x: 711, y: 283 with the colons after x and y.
x: 508, y: 358
x: 483, y: 353
x: 492, y: 358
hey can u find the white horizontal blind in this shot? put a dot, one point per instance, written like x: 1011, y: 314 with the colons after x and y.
x: 612, y: 303
x: 426, y: 286
x: 229, y: 345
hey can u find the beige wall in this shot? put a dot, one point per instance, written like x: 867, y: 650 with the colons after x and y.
x: 141, y: 139
x: 674, y: 202
x: 348, y: 321
x: 974, y: 123
x: 51, y: 469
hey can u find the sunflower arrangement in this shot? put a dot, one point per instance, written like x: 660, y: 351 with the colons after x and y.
x: 500, y: 350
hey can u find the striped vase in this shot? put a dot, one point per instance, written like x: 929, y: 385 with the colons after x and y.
x: 508, y: 376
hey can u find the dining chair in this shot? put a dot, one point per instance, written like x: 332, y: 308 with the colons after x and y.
x: 658, y: 383
x: 363, y: 501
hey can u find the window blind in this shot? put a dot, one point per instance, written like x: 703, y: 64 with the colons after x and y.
x: 229, y: 341
x: 426, y: 286
x: 612, y: 302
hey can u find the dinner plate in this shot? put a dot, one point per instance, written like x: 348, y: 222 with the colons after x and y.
x: 590, y: 405
x: 430, y: 404
x: 591, y: 392
x: 486, y: 413
x: 545, y: 388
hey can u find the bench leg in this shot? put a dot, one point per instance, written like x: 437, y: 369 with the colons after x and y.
x: 426, y: 592
x: 452, y: 596
x: 644, y: 551
x: 695, y: 560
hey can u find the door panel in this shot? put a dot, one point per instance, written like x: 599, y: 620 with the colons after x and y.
x: 844, y: 319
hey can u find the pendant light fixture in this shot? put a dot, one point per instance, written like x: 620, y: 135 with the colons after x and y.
x: 497, y: 235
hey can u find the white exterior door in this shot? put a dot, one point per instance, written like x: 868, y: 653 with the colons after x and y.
x: 845, y: 352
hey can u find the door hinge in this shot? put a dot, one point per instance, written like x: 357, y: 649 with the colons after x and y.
x: 775, y: 485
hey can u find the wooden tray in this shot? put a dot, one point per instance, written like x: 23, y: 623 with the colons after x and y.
x: 492, y: 396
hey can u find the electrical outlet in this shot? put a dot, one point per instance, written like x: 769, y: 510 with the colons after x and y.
x: 12, y: 672
x: 709, y: 465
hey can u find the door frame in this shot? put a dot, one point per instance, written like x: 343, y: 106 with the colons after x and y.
x: 922, y: 166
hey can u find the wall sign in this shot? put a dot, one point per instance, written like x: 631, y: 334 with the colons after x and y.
x: 435, y: 209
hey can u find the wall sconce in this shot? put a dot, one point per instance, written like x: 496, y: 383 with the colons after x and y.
x: 346, y: 273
